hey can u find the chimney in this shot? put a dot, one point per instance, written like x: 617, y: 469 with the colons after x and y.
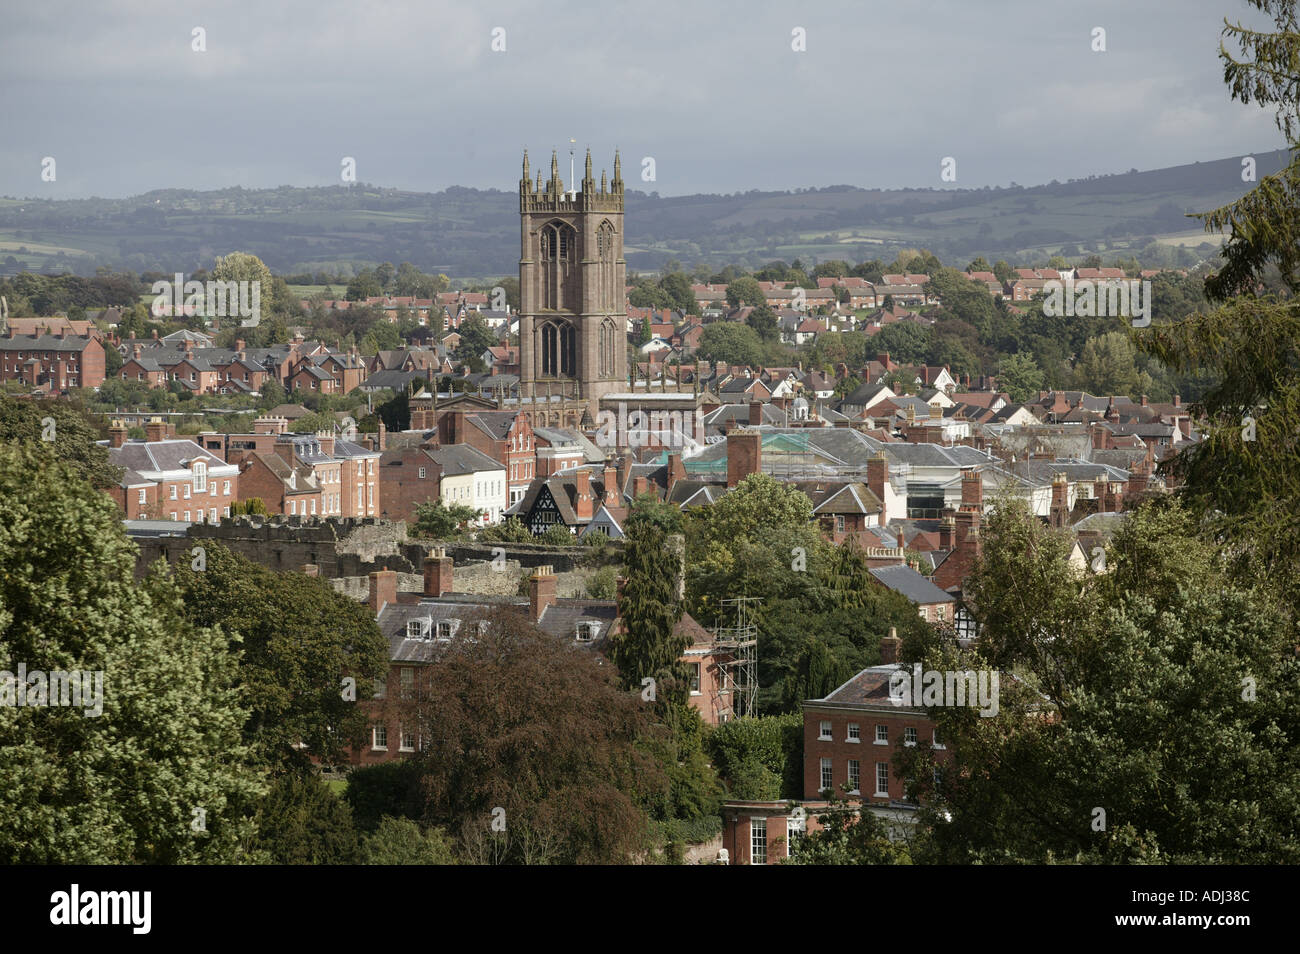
x: 155, y: 430
x: 676, y: 469
x: 135, y: 352
x: 889, y: 647
x: 755, y: 413
x: 972, y: 490
x: 1178, y: 400
x: 744, y: 455
x: 1144, y: 400
x: 311, y: 569
x: 936, y: 412
x: 1099, y: 490
x: 624, y: 473
x: 383, y: 589
x: 116, y: 434
x: 1060, y: 511
x: 541, y: 591
x: 382, y: 440
x: 610, y: 481
x: 948, y: 532
x: 877, y: 477
x: 640, y: 485
x: 239, y: 345
x: 584, y: 507
x: 437, y: 573
x: 326, y: 444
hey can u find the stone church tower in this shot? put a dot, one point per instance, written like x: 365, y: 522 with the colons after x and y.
x: 573, y: 315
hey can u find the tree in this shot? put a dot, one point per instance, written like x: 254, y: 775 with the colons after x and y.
x: 1159, y: 691
x: 253, y: 505
x: 400, y: 841
x: 519, y: 722
x: 438, y: 521
x: 1107, y: 366
x: 904, y: 341
x: 647, y: 644
x: 243, y: 267
x: 124, y: 777
x: 301, y: 822
x: 848, y: 836
x: 363, y: 286
x: 745, y: 291
x: 72, y: 437
x: 300, y: 639
x: 763, y: 320
x: 731, y: 342
x: 677, y: 286
x: 1020, y: 377
x: 475, y: 338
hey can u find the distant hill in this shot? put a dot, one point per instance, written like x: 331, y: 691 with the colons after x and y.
x: 475, y: 233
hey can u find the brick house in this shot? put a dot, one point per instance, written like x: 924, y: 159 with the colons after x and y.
x: 55, y: 362
x: 170, y: 479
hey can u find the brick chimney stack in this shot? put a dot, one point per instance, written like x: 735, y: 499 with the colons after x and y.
x: 1060, y: 512
x: 612, y: 494
x: 640, y: 485
x: 155, y: 430
x: 541, y: 591
x: 116, y: 434
x: 948, y: 531
x: 972, y: 490
x: 890, y: 647
x: 1100, y: 486
x: 676, y: 469
x: 438, y: 569
x: 877, y: 477
x: 584, y: 507
x: 383, y: 589
x: 744, y: 455
x: 755, y: 413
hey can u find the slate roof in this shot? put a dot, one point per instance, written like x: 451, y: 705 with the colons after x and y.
x: 915, y: 586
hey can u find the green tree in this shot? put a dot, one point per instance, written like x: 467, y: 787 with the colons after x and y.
x: 745, y: 291
x: 1020, y: 377
x: 400, y: 841
x: 118, y: 779
x: 730, y: 341
x: 648, y: 645
x: 437, y: 521
x: 1108, y: 366
x: 848, y: 836
x: 763, y: 320
x: 475, y: 338
x: 300, y: 639
x: 71, y: 436
x: 301, y: 822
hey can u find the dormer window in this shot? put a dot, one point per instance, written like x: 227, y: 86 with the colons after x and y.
x: 446, y: 629
x: 418, y: 628
x: 587, y: 631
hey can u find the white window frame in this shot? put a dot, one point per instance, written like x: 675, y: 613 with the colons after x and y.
x: 757, y: 840
x: 854, y: 769
x: 377, y: 733
x: 882, y: 768
x: 200, y: 475
x: 827, y: 777
x: 825, y: 731
x: 909, y: 736
x: 853, y: 733
x: 882, y: 738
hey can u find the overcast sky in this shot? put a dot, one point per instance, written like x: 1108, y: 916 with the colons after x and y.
x: 713, y: 91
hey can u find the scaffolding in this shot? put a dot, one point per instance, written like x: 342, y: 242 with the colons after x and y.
x: 740, y: 672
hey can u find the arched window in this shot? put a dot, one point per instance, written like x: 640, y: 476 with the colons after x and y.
x: 558, y: 257
x: 605, y: 252
x: 200, y: 471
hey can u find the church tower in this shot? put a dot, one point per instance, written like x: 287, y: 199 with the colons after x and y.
x: 573, y: 318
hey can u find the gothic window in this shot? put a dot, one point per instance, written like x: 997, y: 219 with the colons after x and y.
x: 558, y: 255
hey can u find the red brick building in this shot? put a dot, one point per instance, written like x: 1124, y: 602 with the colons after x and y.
x: 169, y: 479
x: 55, y: 362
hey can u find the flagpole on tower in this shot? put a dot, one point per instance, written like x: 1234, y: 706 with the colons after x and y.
x: 573, y: 188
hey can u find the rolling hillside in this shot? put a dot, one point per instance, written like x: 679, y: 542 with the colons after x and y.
x: 474, y: 233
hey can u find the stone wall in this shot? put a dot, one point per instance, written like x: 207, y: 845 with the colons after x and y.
x: 349, y: 547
